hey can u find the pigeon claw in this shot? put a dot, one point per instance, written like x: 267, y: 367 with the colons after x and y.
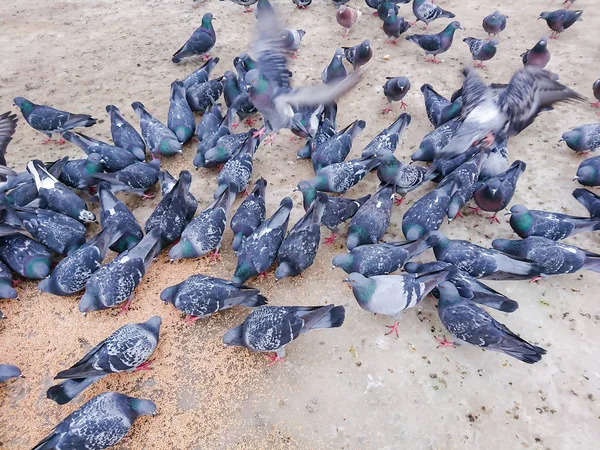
x: 386, y: 110
x: 270, y: 139
x: 259, y: 133
x: 444, y: 342
x: 248, y: 10
x: 493, y: 218
x: 475, y: 209
x: 330, y: 240
x: 535, y: 279
x: 249, y: 121
x: 596, y: 105
x: 235, y: 125
x: 144, y: 366
x: 393, y: 329
x: 191, y: 319
x: 403, y: 105
x: 399, y: 201
x: 45, y: 141
x: 215, y: 256
x: 479, y: 65
x: 60, y: 141
x: 273, y: 358
x: 147, y: 196
x: 125, y: 308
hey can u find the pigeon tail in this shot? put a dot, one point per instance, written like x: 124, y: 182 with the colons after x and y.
x: 254, y: 301
x: 66, y: 391
x: 333, y: 319
x: 79, y: 120
x: 592, y: 263
x: 447, y: 14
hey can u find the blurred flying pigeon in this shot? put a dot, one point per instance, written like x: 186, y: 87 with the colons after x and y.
x: 202, y: 96
x: 249, y: 215
x: 370, y: 222
x: 394, y: 26
x: 497, y: 161
x: 8, y: 372
x: 124, y: 135
x: 271, y: 328
x: 200, y: 42
x: 388, y: 138
x: 180, y: 119
x: 559, y: 20
x: 433, y: 143
x: 359, y: 55
x: 100, y: 423
x: 6, y: 284
x: 335, y: 149
x: 158, y: 137
x: 136, y: 178
x: 468, y: 323
x: 78, y: 173
x: 342, y: 176
x: 49, y: 120
x: 335, y: 71
x: 236, y: 173
x: 588, y: 172
x: 8, y: 125
x: 201, y: 74
x: 113, y: 158
x: 394, y: 89
x: 425, y: 11
x: 403, y: 177
x: 583, y: 139
x: 258, y: 251
x: 588, y: 199
x: 25, y: 256
x: 494, y: 23
x: 481, y: 49
x: 434, y: 44
x: 538, y: 56
x: 426, y: 214
x: 114, y: 213
x: 245, y: 3
x: 347, y: 17
x: 200, y: 296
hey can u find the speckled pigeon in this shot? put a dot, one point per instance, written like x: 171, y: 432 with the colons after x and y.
x: 342, y: 176
x: 583, y: 139
x: 433, y: 143
x: 180, y: 118
x: 359, y: 55
x: 227, y: 145
x: 405, y: 178
x: 588, y: 199
x: 494, y: 23
x: 78, y: 173
x: 371, y: 220
x: 210, y: 128
x: 25, y: 256
x: 200, y: 42
x: 201, y: 74
x: 167, y: 182
x: 434, y: 104
x: 124, y: 135
x: 113, y: 158
x: 481, y: 49
x: 250, y: 214
x: 202, y: 96
x: 335, y: 149
x: 388, y: 138
x: 237, y: 171
x: 559, y: 20
x: 114, y: 213
x: 158, y: 137
x: 539, y: 55
x: 136, y: 178
x: 426, y: 214
x: 425, y: 11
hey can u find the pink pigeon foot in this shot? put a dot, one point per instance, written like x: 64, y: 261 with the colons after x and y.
x: 144, y: 366
x: 15, y: 283
x: 60, y: 141
x: 444, y: 342
x: 147, y: 196
x: 480, y: 65
x: 596, y: 105
x: 458, y: 214
x: 249, y: 10
x: 535, y: 279
x: 215, y: 256
x: 330, y: 240
x: 475, y: 209
x: 375, y: 14
x: 206, y: 56
x: 249, y: 121
x: 393, y: 329
x: 262, y: 276
x: 125, y: 308
x: 191, y: 319
x: 273, y: 358
x: 493, y: 219
x: 403, y: 105
x: 399, y: 201
x: 259, y: 134
x: 45, y: 141
x: 386, y: 110
x: 270, y: 139
x: 235, y: 125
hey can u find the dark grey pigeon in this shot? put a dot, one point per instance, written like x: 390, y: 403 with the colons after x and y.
x: 370, y: 222
x: 405, y: 178
x: 58, y: 197
x: 225, y: 147
x: 237, y: 171
x: 538, y: 56
x: 468, y: 323
x: 250, y: 214
x: 588, y: 172
x: 555, y: 226
x: 200, y: 296
x: 201, y: 74
x: 7, y: 289
x: 426, y: 214
x: 326, y: 128
x: 202, y: 96
x: 434, y: 104
x: 78, y: 173
x: 497, y: 161
x: 49, y: 120
x: 394, y: 89
x: 114, y: 213
x: 243, y: 64
x: 271, y: 328
x: 342, y: 176
x: 167, y: 182
x: 113, y: 158
x: 100, y: 423
x: 378, y: 259
x: 375, y: 4
x: 359, y: 55
x: 72, y: 273
x: 205, y: 233
x: 387, y: 139
x: 494, y: 23
x: 583, y: 139
x: 390, y: 295
x: 335, y: 71
x: 433, y: 143
x: 434, y: 44
x: 425, y: 11
x: 124, y: 135
x: 553, y: 258
x: 393, y: 25
x: 126, y: 350
x: 481, y: 49
x: 299, y: 248
x: 8, y: 372
x: 259, y: 250
x: 561, y: 19
x: 158, y: 137
x: 588, y: 199
x: 210, y: 129
x: 174, y: 212
x: 480, y: 262
x: 237, y: 98
x: 180, y: 118
x: 200, y: 42
x: 441, y: 167
x: 136, y: 178
x: 25, y: 256
x: 116, y: 281
x: 336, y: 148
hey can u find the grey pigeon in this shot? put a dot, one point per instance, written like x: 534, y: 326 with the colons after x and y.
x: 204, y: 233
x: 370, y: 222
x: 243, y: 64
x: 538, y: 56
x: 291, y: 40
x: 442, y: 167
x: 404, y: 178
x: 158, y: 137
x: 114, y: 213
x: 378, y: 259
x: 433, y: 143
x: 49, y: 120
x: 390, y: 295
x: 388, y: 138
x: 72, y: 273
x: 434, y: 44
x: 174, y: 212
x: 59, y: 197
x: 180, y: 119
x: 425, y: 11
x: 202, y: 96
x: 553, y: 258
x: 588, y: 172
x: 8, y: 125
x: 583, y: 139
x: 167, y: 182
x: 259, y: 250
x: 125, y: 350
x: 201, y: 74
x: 200, y: 42
x: 494, y: 23
x: 342, y: 176
x: 271, y: 328
x: 100, y: 423
x: 25, y: 256
x: 200, y: 296
x: 550, y: 225
x: 136, y: 178
x: 305, y: 122
x: 78, y: 173
x: 559, y: 20
x: 237, y: 171
x: 302, y: 4
x: 394, y: 89
x: 8, y: 372
x: 326, y: 128
x: 468, y: 323
x: 245, y: 3
x: 481, y: 49
x: 7, y: 289
x: 479, y: 262
x: 335, y: 149
x: 426, y: 214
x: 359, y: 55
x: 299, y: 248
x: 124, y: 135
x: 497, y: 161
x: 113, y: 158
x: 116, y: 281
x: 250, y: 214
x: 590, y: 200
x: 335, y: 71
x: 393, y: 25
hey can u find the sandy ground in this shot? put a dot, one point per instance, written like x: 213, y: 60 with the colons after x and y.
x: 351, y: 387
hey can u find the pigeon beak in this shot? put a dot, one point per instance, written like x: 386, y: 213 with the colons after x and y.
x: 295, y: 189
x: 346, y: 280
x: 576, y: 178
x: 84, y: 314
x: 507, y: 213
x: 561, y: 140
x: 333, y: 268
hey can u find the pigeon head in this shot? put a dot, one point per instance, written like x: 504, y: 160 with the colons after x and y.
x: 587, y: 175
x: 96, y: 159
x: 283, y: 270
x: 507, y: 246
x: 520, y: 218
x: 545, y: 15
x: 155, y: 164
x: 153, y: 324
x: 243, y: 271
x: 344, y: 262
x: 47, y: 285
x: 256, y: 82
x: 362, y: 287
x: 199, y: 160
x: 435, y: 239
x: 185, y: 178
x: 453, y: 26
x: 229, y: 76
x: 37, y: 267
x: 24, y: 105
x: 142, y: 407
x: 183, y: 249
x: 448, y: 294
x: 259, y: 187
x: 339, y: 54
x: 207, y: 20
x: 363, y: 49
x: 89, y: 302
x: 86, y: 216
x: 543, y: 42
x: 8, y: 371
x: 493, y: 42
x: 234, y: 337
x: 573, y: 139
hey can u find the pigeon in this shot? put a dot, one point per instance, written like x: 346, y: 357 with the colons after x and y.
x: 201, y: 295
x: 59, y: 197
x: 8, y: 126
x: 384, y: 8
x: 375, y: 4
x: 202, y: 96
x: 200, y: 42
x: 71, y: 273
x: 250, y: 214
x: 245, y: 3
x: 335, y: 149
x: 258, y: 251
x: 22, y: 255
x: 136, y: 178
x: 79, y: 173
x: 167, y: 182
x: 211, y: 127
x: 590, y: 200
x: 347, y: 17
x: 226, y: 146
x: 205, y: 233
x: 243, y: 64
x: 342, y: 176
x: 433, y: 143
x: 335, y: 71
x: 553, y: 258
x: 291, y: 40
x: 359, y: 55
x: 394, y: 26
x: 8, y: 372
x: 394, y: 89
x: 158, y: 137
x: 378, y: 259
x: 299, y: 248
x: 237, y: 171
x: 434, y: 44
x: 174, y: 212
x: 271, y: 328
x: 370, y: 222
x: 497, y: 161
x: 434, y: 104
x: 124, y: 135
x: 404, y: 178
x: 100, y: 423
x: 49, y: 120
x: 114, y: 213
x: 596, y: 91
x: 25, y: 193
x: 469, y: 323
x: 7, y: 289
x: 116, y: 281
x: 426, y: 214
x: 559, y: 20
x: 494, y: 23
x: 583, y: 139
x: 427, y: 12
x: 387, y: 140
x: 181, y: 119
x: 201, y: 74
x: 479, y: 262
x: 236, y: 97
x: 538, y: 56
x: 390, y: 295
x: 113, y: 158
x: 326, y: 128
x: 481, y: 49
x: 305, y: 122
x: 588, y: 172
